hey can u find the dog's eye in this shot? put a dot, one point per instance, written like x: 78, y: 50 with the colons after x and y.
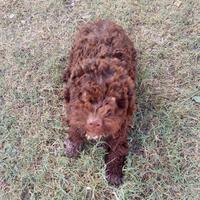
x: 92, y: 101
x: 109, y: 113
x: 121, y: 103
x: 106, y: 103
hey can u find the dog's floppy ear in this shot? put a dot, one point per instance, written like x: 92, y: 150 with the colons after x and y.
x: 131, y: 101
x: 66, y: 78
x: 66, y: 94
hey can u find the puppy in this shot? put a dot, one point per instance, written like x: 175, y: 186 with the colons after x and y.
x: 99, y: 92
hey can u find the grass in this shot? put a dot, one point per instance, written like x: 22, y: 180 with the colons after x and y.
x: 164, y: 158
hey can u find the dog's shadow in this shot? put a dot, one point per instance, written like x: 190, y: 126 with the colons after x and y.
x: 143, y: 118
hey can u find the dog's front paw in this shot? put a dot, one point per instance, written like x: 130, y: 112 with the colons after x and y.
x: 72, y: 149
x: 114, y: 178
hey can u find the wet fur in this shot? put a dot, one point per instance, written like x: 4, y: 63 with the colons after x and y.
x: 100, y: 81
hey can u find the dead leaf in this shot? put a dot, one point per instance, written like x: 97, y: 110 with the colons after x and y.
x: 196, y: 99
x: 177, y: 3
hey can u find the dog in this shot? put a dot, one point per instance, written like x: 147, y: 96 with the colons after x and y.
x: 99, y: 93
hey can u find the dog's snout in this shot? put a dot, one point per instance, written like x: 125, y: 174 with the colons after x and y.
x: 94, y: 122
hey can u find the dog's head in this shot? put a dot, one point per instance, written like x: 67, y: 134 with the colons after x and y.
x: 99, y: 101
x: 99, y: 118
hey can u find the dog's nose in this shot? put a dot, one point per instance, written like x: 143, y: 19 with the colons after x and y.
x: 94, y: 122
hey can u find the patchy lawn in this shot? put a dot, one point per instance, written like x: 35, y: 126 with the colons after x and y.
x: 164, y: 157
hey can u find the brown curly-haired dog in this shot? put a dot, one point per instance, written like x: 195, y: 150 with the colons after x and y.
x: 100, y: 92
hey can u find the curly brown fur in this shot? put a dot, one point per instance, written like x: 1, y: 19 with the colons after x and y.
x: 99, y: 88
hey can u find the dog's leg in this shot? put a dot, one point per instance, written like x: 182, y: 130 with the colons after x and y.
x: 74, y: 143
x: 115, y: 158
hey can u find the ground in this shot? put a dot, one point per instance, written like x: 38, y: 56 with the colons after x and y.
x: 164, y: 157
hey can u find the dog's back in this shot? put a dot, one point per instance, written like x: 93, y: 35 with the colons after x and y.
x: 103, y: 39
